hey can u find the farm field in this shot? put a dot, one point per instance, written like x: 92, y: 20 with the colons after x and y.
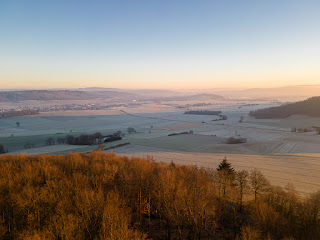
x: 301, y: 170
x: 53, y: 149
x: 283, y: 156
x: 153, y: 128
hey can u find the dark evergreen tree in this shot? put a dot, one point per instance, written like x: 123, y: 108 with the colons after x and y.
x: 226, y: 176
x: 226, y: 166
x: 2, y: 149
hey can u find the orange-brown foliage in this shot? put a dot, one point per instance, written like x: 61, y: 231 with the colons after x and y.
x: 105, y: 196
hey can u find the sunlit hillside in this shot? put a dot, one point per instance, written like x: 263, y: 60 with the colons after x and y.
x: 103, y: 196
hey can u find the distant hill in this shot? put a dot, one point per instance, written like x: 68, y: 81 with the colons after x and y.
x: 196, y: 97
x: 48, y: 95
x: 88, y: 89
x: 43, y: 95
x: 151, y: 94
x: 93, y: 93
x: 288, y: 91
x: 154, y: 93
x: 294, y: 92
x: 206, y: 96
x: 112, y: 94
x: 146, y: 93
x: 309, y: 107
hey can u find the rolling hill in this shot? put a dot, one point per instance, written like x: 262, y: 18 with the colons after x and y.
x: 43, y: 95
x: 48, y: 95
x: 196, y: 97
x: 309, y: 107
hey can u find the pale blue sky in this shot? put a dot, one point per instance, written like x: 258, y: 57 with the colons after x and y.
x: 159, y: 44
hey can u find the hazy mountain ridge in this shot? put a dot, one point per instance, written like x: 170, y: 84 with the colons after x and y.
x: 49, y: 95
x: 43, y: 95
x: 299, y: 90
x: 291, y: 92
x: 309, y: 107
x: 94, y: 93
x: 139, y: 92
x: 287, y: 93
x: 202, y: 96
x: 111, y: 94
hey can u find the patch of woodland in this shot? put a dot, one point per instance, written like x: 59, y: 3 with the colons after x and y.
x: 83, y: 139
x: 16, y: 113
x: 309, y: 107
x: 117, y: 146
x: 104, y: 196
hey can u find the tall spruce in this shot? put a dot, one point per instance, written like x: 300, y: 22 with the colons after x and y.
x: 2, y: 150
x: 226, y: 166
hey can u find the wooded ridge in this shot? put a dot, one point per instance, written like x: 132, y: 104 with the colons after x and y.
x: 104, y: 196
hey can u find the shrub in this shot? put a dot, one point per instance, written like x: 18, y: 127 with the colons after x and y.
x: 50, y: 141
x: 131, y: 130
x: 28, y: 145
x: 232, y: 140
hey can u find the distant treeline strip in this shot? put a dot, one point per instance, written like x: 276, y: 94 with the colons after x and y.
x: 18, y: 113
x: 180, y: 133
x: 203, y: 112
x: 83, y: 139
x: 117, y: 146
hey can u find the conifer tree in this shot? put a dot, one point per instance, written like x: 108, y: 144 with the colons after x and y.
x: 226, y: 176
x: 226, y: 166
x: 2, y: 149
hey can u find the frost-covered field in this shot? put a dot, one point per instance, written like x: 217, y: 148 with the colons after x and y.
x: 282, y: 155
x: 52, y: 149
x: 264, y: 136
x: 302, y: 170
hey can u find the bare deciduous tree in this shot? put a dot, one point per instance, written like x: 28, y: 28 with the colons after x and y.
x: 242, y: 183
x: 258, y: 182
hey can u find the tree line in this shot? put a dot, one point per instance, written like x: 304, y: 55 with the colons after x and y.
x: 20, y: 113
x: 203, y: 112
x: 309, y: 107
x: 83, y: 139
x: 101, y: 195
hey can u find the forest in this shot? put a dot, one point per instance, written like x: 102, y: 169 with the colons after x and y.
x: 15, y: 113
x: 83, y: 139
x: 100, y: 195
x: 309, y: 107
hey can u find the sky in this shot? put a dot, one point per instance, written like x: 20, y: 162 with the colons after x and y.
x: 176, y: 44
